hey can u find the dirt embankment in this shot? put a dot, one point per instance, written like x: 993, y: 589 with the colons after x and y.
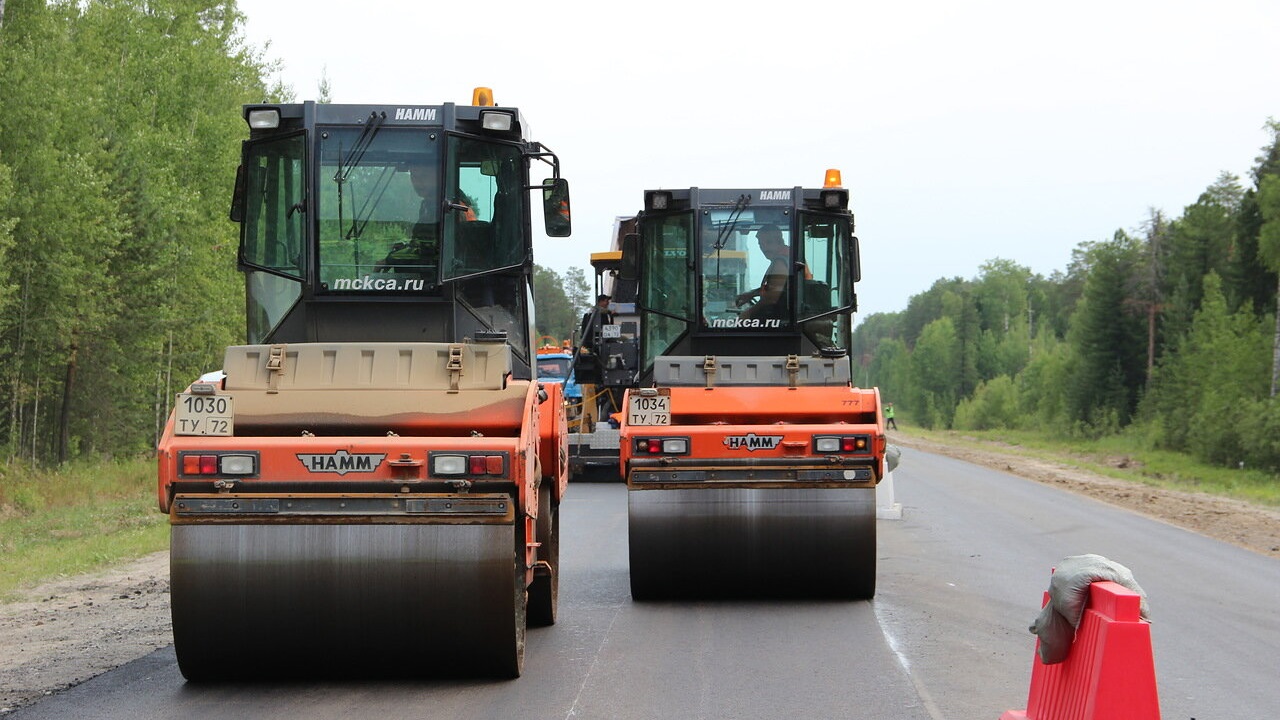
x: 65, y: 632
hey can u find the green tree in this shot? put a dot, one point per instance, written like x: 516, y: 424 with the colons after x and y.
x: 1259, y: 426
x: 1051, y: 302
x: 1000, y: 291
x: 67, y: 228
x: 1043, y: 386
x: 324, y: 88
x: 1220, y: 367
x: 1002, y: 299
x: 935, y: 374
x: 577, y: 289
x: 559, y: 301
x: 1199, y: 242
x: 1108, y: 339
x: 123, y: 261
x: 1249, y: 279
x: 963, y: 310
x: 1148, y: 285
x: 1268, y: 201
x: 889, y: 369
x: 994, y: 405
x: 7, y: 222
x: 871, y: 331
x: 1269, y: 253
x: 926, y: 307
x: 1004, y: 353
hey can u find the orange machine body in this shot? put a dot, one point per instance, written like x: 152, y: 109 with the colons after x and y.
x: 760, y: 436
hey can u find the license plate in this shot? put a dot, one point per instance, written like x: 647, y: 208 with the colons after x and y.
x: 204, y: 415
x: 649, y: 409
x: 610, y: 332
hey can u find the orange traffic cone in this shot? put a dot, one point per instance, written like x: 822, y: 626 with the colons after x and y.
x: 1110, y: 673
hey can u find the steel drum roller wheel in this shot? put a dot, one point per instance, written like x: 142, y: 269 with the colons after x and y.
x: 306, y: 600
x: 749, y: 542
x: 508, y: 661
x: 544, y: 592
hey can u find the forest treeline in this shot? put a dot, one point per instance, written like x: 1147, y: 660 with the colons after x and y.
x: 119, y: 142
x: 1167, y: 333
x: 118, y: 148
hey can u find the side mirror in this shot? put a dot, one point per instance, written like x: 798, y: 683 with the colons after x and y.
x: 555, y: 207
x: 855, y: 259
x: 237, y: 196
x: 630, y: 267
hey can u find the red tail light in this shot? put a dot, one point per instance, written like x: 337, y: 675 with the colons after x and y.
x: 484, y: 464
x: 661, y: 446
x: 243, y: 464
x: 855, y: 444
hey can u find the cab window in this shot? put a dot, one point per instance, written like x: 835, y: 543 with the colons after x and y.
x: 380, y: 211
x: 667, y: 285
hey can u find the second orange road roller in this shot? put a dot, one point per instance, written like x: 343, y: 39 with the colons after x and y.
x: 750, y: 457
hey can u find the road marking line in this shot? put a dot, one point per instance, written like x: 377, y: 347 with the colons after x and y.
x: 929, y: 705
x: 573, y: 709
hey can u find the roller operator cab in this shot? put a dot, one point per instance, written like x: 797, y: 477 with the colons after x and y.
x: 371, y: 485
x: 750, y: 458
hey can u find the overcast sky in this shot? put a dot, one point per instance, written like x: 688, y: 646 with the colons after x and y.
x: 965, y: 131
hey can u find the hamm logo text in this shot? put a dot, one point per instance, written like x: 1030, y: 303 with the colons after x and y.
x: 341, y: 462
x: 752, y: 442
x: 428, y: 114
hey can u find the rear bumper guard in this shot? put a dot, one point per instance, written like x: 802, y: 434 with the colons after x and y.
x: 240, y: 508
x: 670, y: 471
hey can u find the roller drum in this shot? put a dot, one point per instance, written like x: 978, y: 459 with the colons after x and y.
x: 744, y: 542
x: 276, y: 600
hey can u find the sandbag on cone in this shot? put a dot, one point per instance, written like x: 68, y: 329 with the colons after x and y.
x: 1068, y: 592
x: 1107, y: 670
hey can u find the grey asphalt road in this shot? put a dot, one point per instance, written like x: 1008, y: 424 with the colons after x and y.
x: 960, y: 579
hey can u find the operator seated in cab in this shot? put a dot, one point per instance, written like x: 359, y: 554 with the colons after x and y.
x: 771, y: 297
x: 422, y: 248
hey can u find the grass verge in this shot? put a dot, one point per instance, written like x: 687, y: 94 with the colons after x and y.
x: 72, y: 520
x: 1125, y: 458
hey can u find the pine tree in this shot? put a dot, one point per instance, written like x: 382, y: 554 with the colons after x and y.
x: 1268, y: 201
x: 1198, y: 242
x: 1108, y: 339
x: 1269, y: 253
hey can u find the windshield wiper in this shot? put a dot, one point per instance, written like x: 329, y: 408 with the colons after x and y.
x: 727, y: 229
x: 350, y: 161
x: 722, y: 238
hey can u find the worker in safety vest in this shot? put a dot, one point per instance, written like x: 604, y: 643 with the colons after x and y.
x: 888, y: 416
